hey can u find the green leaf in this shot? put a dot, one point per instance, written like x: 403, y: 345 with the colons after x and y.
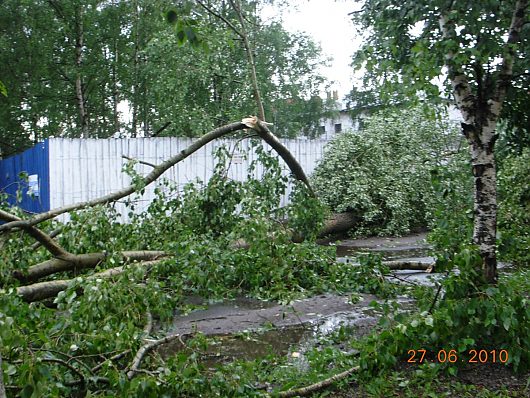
x: 3, y: 89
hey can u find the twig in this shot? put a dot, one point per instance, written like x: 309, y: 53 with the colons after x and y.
x: 112, y: 358
x: 304, y: 391
x: 435, y: 298
x: 67, y: 365
x: 157, y: 132
x: 145, y: 349
x: 402, y: 279
x: 217, y: 15
x: 139, y: 161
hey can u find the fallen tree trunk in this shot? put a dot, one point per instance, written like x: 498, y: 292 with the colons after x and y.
x: 78, y: 262
x: 338, y: 222
x: 44, y: 290
x: 409, y: 265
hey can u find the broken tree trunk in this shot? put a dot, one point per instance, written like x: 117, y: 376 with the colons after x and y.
x: 45, y: 290
x: 79, y: 262
x: 338, y: 222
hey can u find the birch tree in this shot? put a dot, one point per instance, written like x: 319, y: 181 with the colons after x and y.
x: 474, y: 47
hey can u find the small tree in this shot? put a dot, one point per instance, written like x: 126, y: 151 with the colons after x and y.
x: 474, y: 44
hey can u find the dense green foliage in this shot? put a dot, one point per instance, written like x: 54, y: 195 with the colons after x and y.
x: 110, y: 68
x: 467, y: 317
x: 404, y: 52
x: 46, y: 351
x: 514, y: 208
x: 382, y: 173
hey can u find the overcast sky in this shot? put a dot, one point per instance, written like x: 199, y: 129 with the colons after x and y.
x: 330, y: 25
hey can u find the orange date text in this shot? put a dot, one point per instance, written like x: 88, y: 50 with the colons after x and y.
x: 452, y: 356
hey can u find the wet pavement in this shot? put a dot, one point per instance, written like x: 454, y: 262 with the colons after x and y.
x: 247, y: 329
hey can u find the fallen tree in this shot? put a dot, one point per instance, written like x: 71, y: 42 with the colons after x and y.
x: 79, y: 262
x: 45, y: 290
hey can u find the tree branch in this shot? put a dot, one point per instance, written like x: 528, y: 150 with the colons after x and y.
x: 253, y: 76
x: 304, y: 391
x: 80, y: 261
x: 266, y: 135
x: 506, y: 67
x: 145, y: 349
x: 148, y: 179
x: 44, y: 290
x: 41, y: 237
x: 217, y: 15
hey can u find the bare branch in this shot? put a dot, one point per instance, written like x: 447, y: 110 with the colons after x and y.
x: 139, y: 161
x: 305, y: 391
x: 145, y: 349
x: 254, y: 79
x: 217, y: 15
x: 112, y: 358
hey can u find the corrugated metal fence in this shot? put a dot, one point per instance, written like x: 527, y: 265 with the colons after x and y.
x: 83, y: 169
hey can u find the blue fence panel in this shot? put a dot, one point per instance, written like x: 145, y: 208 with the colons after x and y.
x: 24, y: 178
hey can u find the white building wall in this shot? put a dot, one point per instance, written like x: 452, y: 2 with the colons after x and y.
x: 84, y: 169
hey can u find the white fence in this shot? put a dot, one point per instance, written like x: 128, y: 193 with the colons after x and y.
x: 83, y: 169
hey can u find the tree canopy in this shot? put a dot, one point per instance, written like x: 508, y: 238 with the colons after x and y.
x: 110, y: 68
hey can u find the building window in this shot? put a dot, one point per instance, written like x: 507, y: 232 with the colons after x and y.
x: 322, y: 129
x: 338, y: 127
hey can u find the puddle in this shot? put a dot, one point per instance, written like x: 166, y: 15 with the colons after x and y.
x: 294, y: 335
x: 246, y: 329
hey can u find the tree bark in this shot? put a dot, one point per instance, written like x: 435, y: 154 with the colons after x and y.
x: 480, y: 112
x: 338, y: 222
x: 45, y: 290
x: 79, y: 262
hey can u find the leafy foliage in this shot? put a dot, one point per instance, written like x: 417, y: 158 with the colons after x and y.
x: 382, y: 173
x: 514, y: 208
x: 468, y: 317
x: 134, y: 71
